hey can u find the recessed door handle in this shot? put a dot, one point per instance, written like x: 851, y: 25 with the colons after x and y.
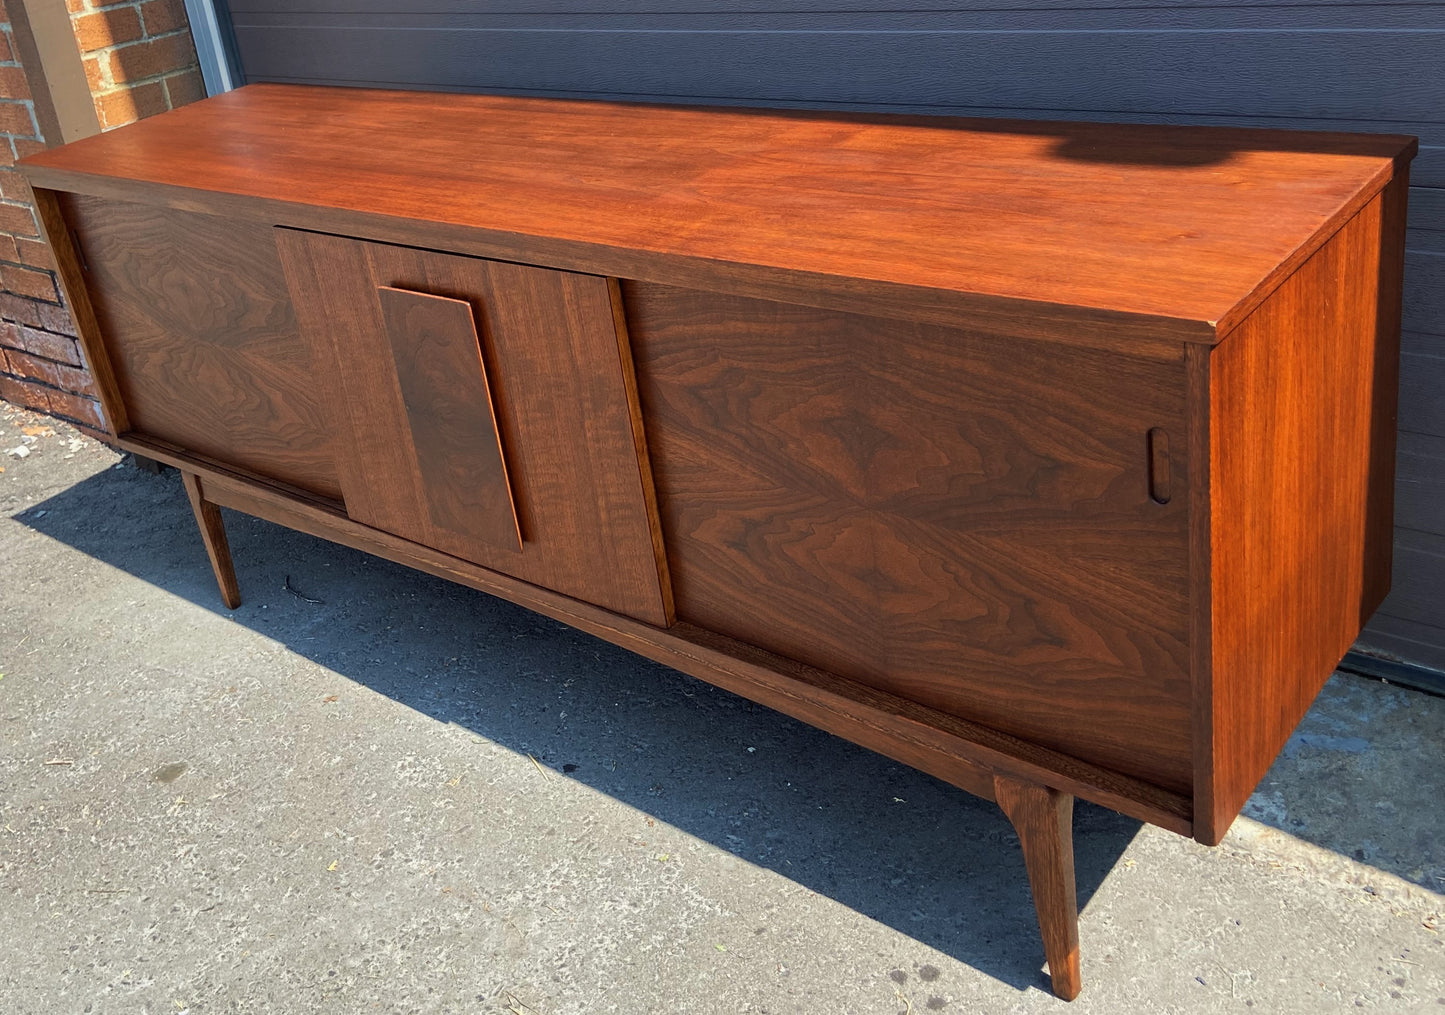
x: 1159, y: 480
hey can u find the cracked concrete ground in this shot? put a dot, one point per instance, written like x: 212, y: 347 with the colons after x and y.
x: 409, y: 797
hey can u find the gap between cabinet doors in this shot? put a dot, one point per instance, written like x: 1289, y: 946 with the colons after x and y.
x: 485, y: 409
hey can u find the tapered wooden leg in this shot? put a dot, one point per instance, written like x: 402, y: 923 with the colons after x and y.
x: 1044, y: 820
x: 213, y: 534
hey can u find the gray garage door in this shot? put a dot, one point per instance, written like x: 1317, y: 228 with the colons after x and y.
x: 1364, y: 66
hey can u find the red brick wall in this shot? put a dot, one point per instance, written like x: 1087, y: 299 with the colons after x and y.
x: 139, y: 57
x: 40, y: 364
x: 139, y: 60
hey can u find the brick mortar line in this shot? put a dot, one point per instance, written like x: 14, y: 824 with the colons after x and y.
x: 118, y: 46
x: 35, y: 299
x: 28, y: 267
x: 45, y: 385
x: 134, y: 5
x: 91, y: 427
x: 137, y: 82
x: 44, y: 359
x: 22, y: 326
x: 52, y: 334
x: 131, y: 82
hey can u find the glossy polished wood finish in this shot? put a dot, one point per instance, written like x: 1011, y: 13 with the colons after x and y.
x: 958, y: 519
x: 946, y: 215
x: 1300, y: 552
x: 461, y: 470
x: 1053, y: 460
x: 554, y: 373
x: 193, y: 318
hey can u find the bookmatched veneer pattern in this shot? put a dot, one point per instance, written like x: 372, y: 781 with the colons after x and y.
x: 963, y: 521
x: 196, y: 325
x: 1052, y: 459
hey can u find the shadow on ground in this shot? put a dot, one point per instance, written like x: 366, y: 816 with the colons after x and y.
x: 930, y: 861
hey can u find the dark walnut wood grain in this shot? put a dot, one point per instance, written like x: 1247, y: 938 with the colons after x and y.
x: 1044, y: 821
x: 1299, y: 490
x: 554, y: 361
x: 461, y: 472
x: 1052, y: 459
x: 957, y: 519
x: 196, y: 324
x: 936, y: 216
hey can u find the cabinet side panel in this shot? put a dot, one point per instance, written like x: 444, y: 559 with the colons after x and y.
x: 1300, y: 481
x: 1380, y: 523
x: 956, y: 518
x: 70, y: 273
x: 207, y: 354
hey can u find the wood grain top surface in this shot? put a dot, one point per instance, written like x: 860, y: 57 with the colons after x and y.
x: 1189, y: 225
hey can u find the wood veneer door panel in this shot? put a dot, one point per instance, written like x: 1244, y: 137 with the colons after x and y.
x: 461, y: 469
x: 202, y: 337
x: 554, y: 362
x: 959, y: 519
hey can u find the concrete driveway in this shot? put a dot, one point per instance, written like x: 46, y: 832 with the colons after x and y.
x: 367, y: 790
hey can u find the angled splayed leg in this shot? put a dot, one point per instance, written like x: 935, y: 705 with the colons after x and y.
x: 1044, y: 820
x: 213, y: 534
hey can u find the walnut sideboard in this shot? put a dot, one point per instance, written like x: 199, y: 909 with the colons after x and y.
x: 1053, y: 459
